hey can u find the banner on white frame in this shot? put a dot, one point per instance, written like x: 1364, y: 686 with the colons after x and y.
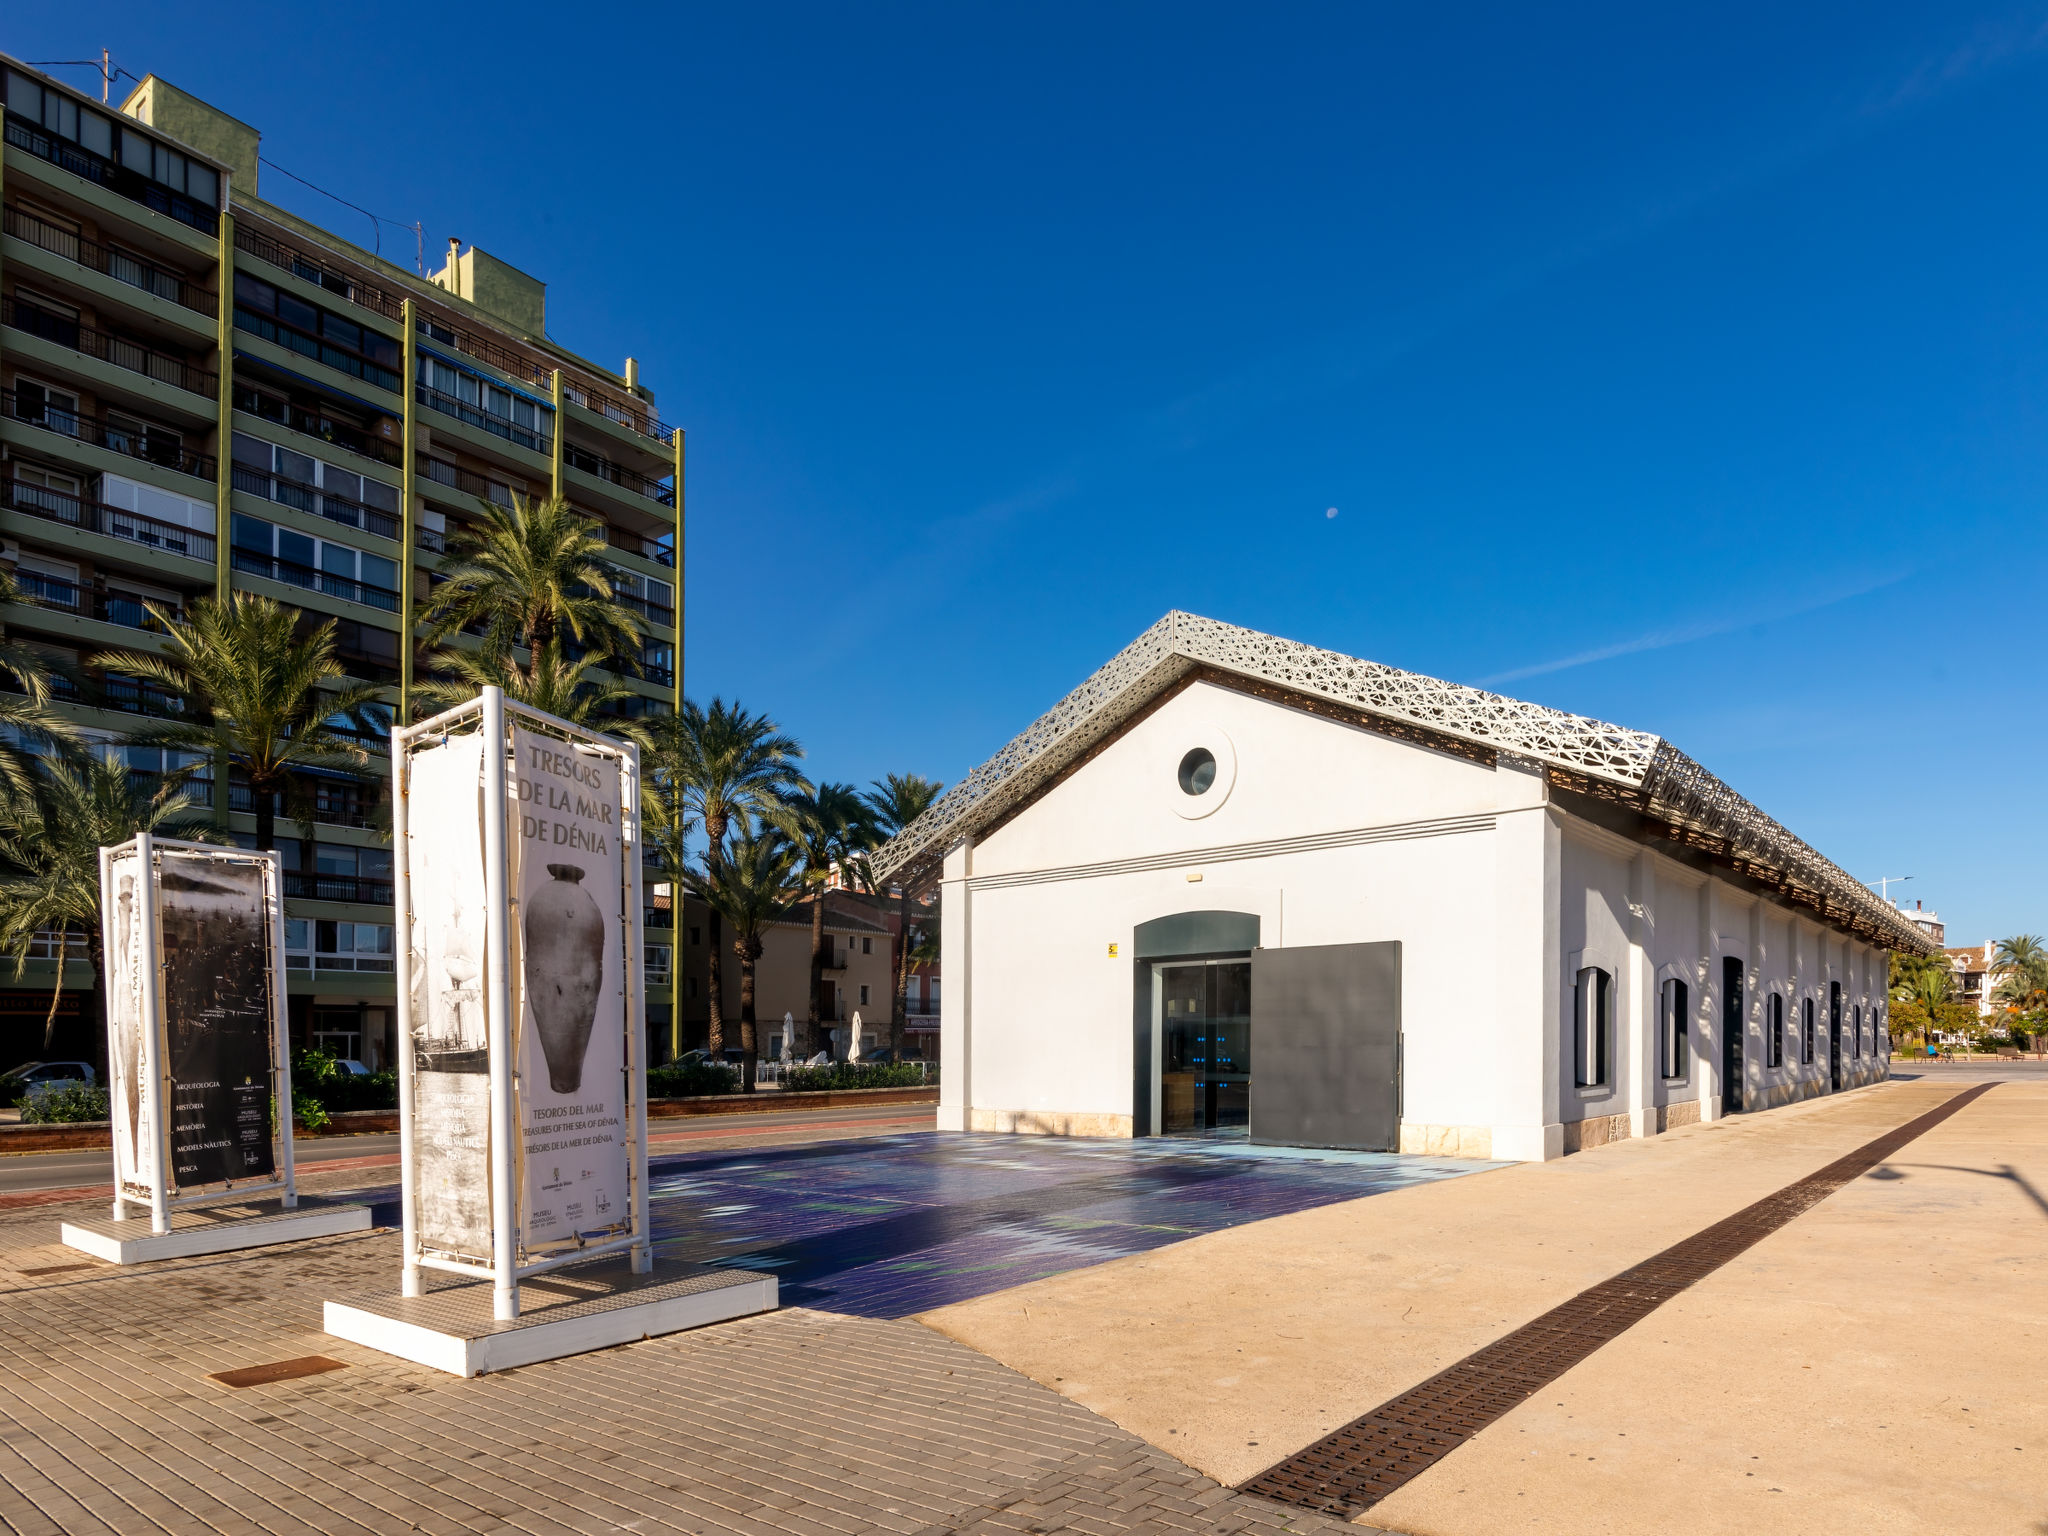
x: 569, y: 878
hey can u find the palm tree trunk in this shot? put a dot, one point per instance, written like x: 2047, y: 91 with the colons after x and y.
x: 261, y: 792
x: 96, y: 1006
x: 56, y: 992
x: 714, y: 963
x: 811, y: 1031
x: 748, y: 1057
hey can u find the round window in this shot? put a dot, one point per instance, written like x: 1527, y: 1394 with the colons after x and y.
x: 1197, y: 771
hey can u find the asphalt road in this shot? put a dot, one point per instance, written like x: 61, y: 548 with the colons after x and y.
x: 29, y: 1172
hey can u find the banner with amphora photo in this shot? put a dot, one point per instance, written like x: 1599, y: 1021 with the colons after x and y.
x: 568, y: 876
x: 451, y: 1082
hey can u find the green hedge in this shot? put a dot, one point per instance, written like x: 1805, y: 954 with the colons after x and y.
x: 853, y: 1074
x: 688, y: 1080
x: 317, y: 1077
x: 65, y: 1102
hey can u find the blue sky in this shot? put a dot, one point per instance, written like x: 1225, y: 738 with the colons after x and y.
x: 1685, y: 369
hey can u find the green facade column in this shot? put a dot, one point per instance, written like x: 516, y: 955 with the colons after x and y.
x: 556, y: 487
x: 676, y: 434
x: 407, y: 538
x: 224, y: 460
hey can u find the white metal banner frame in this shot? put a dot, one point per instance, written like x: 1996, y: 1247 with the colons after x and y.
x: 492, y: 716
x: 152, y: 1183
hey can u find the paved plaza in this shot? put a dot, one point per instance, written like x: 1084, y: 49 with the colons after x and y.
x: 1108, y: 1337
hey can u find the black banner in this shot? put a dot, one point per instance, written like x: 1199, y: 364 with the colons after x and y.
x: 217, y: 1021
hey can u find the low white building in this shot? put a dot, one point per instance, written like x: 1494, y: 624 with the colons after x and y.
x: 1236, y: 884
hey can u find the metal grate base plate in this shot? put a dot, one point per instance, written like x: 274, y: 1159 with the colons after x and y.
x: 1353, y: 1468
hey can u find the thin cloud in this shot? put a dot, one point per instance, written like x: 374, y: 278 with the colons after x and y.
x: 1663, y: 639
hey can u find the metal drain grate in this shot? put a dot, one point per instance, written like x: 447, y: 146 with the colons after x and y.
x: 1353, y: 1468
x: 277, y: 1370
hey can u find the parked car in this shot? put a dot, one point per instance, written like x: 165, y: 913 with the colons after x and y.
x: 350, y: 1067
x: 29, y: 1073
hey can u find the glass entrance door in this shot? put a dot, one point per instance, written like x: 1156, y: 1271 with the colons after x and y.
x: 1205, y: 1071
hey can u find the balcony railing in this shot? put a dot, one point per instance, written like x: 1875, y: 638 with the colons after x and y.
x: 302, y: 497
x: 86, y: 600
x: 302, y: 344
x: 326, y: 428
x: 96, y: 517
x: 628, y: 412
x: 660, y: 613
x: 153, y: 445
x: 117, y: 179
x: 121, y: 351
x: 112, y: 691
x: 119, y: 265
x: 309, y: 270
x: 291, y: 573
x: 336, y: 802
x: 660, y: 551
x: 469, y: 482
x: 318, y: 887
x: 626, y: 479
x: 476, y: 416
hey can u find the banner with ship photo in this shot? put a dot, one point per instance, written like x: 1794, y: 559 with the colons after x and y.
x: 127, y: 909
x: 567, y: 875
x: 451, y: 1109
x: 215, y: 991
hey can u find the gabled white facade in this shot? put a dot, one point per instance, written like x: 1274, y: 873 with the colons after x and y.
x: 1499, y: 887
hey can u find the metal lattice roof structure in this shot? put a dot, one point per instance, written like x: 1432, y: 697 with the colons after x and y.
x: 1678, y: 799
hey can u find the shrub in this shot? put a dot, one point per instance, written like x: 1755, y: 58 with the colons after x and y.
x: 854, y: 1074
x: 683, y: 1080
x: 317, y: 1079
x: 65, y: 1102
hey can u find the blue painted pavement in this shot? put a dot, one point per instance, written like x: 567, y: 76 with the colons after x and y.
x: 890, y: 1226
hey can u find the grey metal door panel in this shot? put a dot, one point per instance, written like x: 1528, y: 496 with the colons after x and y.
x: 1326, y: 1046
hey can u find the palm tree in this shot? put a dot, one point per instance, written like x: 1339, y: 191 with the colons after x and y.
x: 253, y: 689
x: 549, y: 682
x: 526, y: 573
x: 828, y: 820
x: 2022, y: 966
x: 893, y: 804
x: 50, y: 859
x: 756, y: 884
x: 725, y: 770
x: 25, y: 715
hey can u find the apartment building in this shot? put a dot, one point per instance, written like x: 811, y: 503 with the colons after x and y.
x: 201, y: 392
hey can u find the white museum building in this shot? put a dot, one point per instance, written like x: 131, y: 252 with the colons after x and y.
x: 1234, y: 885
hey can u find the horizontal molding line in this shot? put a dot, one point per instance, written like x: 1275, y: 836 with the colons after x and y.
x: 1406, y: 831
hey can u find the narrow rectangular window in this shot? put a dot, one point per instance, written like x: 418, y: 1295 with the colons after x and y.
x: 1777, y: 1040
x: 1674, y: 1044
x: 1592, y: 1006
x: 1806, y: 1031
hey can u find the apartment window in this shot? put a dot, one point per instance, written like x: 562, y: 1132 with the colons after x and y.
x: 1672, y: 1004
x: 482, y: 402
x: 1857, y: 1050
x: 863, y: 997
x: 312, y: 485
x: 1592, y: 1028
x: 41, y: 405
x: 1806, y: 1031
x: 657, y: 964
x: 301, y: 560
x: 351, y: 946
x: 691, y: 989
x: 867, y: 946
x: 286, y: 320
x: 110, y: 149
x: 1777, y: 1030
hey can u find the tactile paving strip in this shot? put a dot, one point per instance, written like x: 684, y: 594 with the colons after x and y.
x: 1353, y: 1468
